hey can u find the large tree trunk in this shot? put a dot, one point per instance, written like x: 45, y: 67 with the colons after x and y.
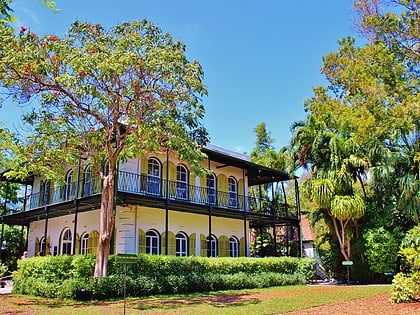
x: 341, y: 237
x: 106, y: 226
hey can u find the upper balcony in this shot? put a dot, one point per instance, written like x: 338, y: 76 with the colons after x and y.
x: 157, y: 192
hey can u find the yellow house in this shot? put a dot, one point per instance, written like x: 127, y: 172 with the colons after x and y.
x: 160, y: 208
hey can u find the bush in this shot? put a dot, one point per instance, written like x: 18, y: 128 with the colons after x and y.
x: 404, y: 289
x: 406, y: 284
x: 61, y: 276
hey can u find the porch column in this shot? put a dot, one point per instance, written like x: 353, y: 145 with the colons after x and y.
x: 24, y: 247
x: 300, y: 254
x: 2, y: 224
x: 76, y: 207
x: 245, y: 216
x: 44, y: 252
x: 274, y: 219
x: 210, y: 214
x: 167, y: 204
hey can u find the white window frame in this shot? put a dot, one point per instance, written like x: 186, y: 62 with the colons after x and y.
x: 181, y: 244
x: 84, y: 243
x: 66, y: 242
x: 68, y: 192
x: 213, y: 246
x: 87, y: 181
x: 181, y: 182
x: 233, y: 247
x: 152, y: 242
x: 211, y: 189
x: 233, y: 192
x: 153, y: 176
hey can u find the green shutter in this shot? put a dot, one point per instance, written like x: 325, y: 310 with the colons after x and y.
x: 222, y: 189
x: 48, y: 246
x: 203, y: 245
x: 36, y: 246
x: 223, y: 246
x: 241, y: 193
x: 77, y: 251
x: 171, y: 243
x: 93, y: 242
x: 191, y: 244
x: 142, y: 242
x: 192, y: 191
x: 242, y: 251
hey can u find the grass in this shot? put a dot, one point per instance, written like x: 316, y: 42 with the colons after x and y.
x: 259, y: 301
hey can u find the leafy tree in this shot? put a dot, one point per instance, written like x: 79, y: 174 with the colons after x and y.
x: 12, y: 246
x: 360, y: 137
x: 381, y: 250
x: 106, y: 95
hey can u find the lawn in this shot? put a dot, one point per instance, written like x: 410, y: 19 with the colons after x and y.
x: 259, y: 301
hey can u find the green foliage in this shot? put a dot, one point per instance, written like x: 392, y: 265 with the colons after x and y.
x: 406, y: 284
x: 83, y: 266
x: 381, y: 250
x: 3, y: 270
x: 405, y: 289
x: 61, y: 276
x: 108, y: 94
x: 13, y: 242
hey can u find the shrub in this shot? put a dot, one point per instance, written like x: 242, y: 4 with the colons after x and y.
x: 403, y: 289
x: 61, y: 276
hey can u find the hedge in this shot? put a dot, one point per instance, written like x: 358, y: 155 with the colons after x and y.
x: 61, y: 276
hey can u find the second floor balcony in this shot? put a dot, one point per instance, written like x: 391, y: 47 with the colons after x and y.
x: 147, y: 187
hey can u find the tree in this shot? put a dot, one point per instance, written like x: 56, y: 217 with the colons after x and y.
x: 360, y: 137
x: 381, y: 250
x: 106, y: 95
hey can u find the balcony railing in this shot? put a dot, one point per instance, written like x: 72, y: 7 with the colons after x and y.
x: 147, y: 185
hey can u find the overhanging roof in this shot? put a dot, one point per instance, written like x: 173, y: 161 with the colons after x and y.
x: 257, y: 174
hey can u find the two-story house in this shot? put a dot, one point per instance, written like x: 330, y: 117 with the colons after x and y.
x: 160, y: 208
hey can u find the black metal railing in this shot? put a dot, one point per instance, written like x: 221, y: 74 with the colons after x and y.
x: 147, y: 185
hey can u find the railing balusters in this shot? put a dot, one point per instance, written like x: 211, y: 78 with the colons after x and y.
x: 146, y: 185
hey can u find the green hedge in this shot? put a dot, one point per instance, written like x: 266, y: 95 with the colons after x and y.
x: 61, y: 276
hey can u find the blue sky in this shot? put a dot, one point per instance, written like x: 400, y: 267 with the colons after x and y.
x: 260, y: 58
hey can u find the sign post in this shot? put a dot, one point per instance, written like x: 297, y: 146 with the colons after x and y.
x: 347, y: 263
x: 125, y: 259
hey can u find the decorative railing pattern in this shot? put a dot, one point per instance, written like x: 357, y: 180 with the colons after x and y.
x: 146, y: 185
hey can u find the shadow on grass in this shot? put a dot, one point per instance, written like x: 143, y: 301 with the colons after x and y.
x: 219, y: 300
x: 22, y: 301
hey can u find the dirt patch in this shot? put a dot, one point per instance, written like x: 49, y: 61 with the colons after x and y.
x: 373, y: 305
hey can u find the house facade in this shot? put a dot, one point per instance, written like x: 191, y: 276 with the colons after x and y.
x: 160, y: 206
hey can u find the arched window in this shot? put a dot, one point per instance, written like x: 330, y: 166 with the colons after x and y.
x: 66, y: 242
x: 84, y: 242
x: 213, y: 246
x: 181, y: 244
x: 153, y: 176
x: 211, y: 189
x: 233, y: 247
x: 87, y: 181
x: 42, y: 247
x: 68, y: 192
x: 152, y: 242
x: 181, y: 182
x: 233, y: 195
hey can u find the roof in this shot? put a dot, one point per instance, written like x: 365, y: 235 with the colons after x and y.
x: 257, y: 174
x: 308, y: 233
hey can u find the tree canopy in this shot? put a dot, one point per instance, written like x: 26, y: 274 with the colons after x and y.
x: 104, y: 95
x: 360, y: 138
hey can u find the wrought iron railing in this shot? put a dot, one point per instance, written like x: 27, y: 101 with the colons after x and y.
x: 147, y: 185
